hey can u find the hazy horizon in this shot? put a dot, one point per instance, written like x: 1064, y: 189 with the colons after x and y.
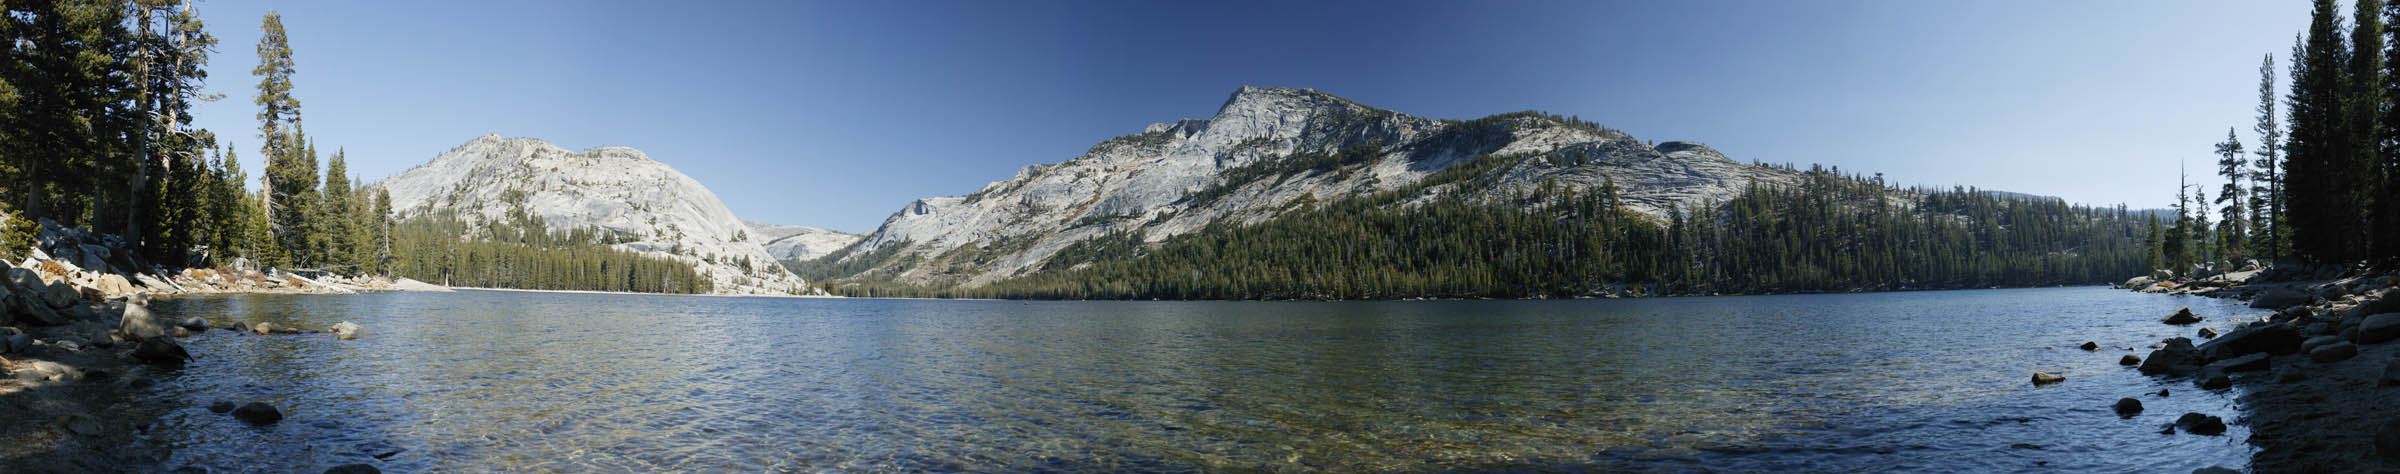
x: 835, y: 115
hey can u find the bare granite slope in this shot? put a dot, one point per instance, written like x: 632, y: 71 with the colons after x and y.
x: 1175, y: 178
x: 614, y: 189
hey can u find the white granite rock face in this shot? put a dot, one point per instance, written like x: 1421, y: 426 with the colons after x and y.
x: 1141, y: 182
x: 794, y: 242
x: 615, y: 189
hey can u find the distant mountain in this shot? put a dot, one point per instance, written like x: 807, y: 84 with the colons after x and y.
x: 644, y: 205
x: 1266, y: 152
x: 792, y: 242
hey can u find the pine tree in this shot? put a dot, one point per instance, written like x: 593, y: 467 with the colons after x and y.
x: 2352, y: 181
x: 2232, y: 230
x: 334, y: 217
x: 2383, y: 170
x: 278, y: 129
x: 2312, y: 207
x: 2266, y: 179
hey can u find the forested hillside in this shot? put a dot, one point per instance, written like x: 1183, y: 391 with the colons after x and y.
x: 1829, y: 233
x: 524, y: 253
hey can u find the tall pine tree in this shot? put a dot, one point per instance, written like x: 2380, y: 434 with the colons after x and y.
x: 2316, y: 147
x: 2266, y: 177
x: 2232, y: 228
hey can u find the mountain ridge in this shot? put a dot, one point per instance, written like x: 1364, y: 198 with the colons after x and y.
x: 642, y: 204
x: 1265, y: 151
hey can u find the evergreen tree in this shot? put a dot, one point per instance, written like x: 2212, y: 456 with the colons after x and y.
x: 2266, y: 179
x: 2232, y: 227
x: 336, y: 217
x: 291, y: 175
x: 2354, y: 178
x: 2312, y: 206
x: 2383, y: 170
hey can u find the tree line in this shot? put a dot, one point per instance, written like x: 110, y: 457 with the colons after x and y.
x: 95, y: 109
x: 1829, y: 232
x: 2323, y: 182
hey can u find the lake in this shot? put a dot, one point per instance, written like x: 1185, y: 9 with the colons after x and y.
x: 487, y: 380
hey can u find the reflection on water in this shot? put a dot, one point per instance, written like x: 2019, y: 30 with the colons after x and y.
x: 1932, y: 381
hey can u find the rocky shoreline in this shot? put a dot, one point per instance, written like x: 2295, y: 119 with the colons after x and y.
x: 78, y: 344
x: 2319, y: 372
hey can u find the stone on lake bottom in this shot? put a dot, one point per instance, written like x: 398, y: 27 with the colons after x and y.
x: 258, y: 413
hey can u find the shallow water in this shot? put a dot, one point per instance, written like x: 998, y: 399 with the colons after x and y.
x: 1924, y: 381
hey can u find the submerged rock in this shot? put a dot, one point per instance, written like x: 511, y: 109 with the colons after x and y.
x: 2181, y: 317
x: 162, y: 351
x: 2129, y: 359
x: 2391, y: 374
x: 345, y: 330
x: 2215, y: 381
x: 220, y: 406
x: 2089, y: 346
x: 195, y: 323
x: 258, y: 413
x: 263, y: 328
x: 2045, y: 378
x: 353, y: 469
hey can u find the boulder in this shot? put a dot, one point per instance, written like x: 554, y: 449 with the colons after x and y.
x: 2199, y: 424
x: 2089, y: 346
x: 2277, y: 339
x: 30, y: 308
x: 2129, y: 359
x: 2247, y: 363
x: 2045, y: 378
x: 263, y: 328
x: 2386, y: 301
x: 2214, y: 380
x: 2335, y: 352
x: 161, y: 351
x: 2208, y: 333
x: 2178, y: 358
x: 353, y: 469
x: 2138, y: 282
x: 2379, y: 328
x: 138, y: 324
x: 20, y: 342
x: 62, y: 295
x: 2181, y: 317
x: 258, y: 413
x: 2127, y: 407
x: 345, y: 330
x: 2391, y: 374
x: 2290, y: 374
x: 2315, y: 342
x: 2279, y: 298
x: 42, y: 370
x: 112, y: 285
x: 2387, y: 440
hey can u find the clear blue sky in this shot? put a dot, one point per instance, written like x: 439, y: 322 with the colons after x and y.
x: 836, y: 114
